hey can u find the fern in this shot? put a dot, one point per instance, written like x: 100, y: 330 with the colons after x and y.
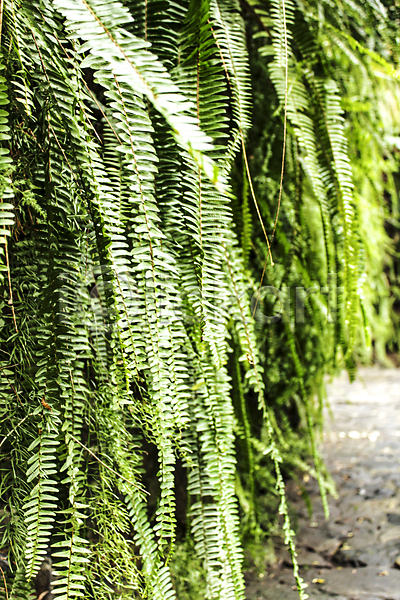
x: 42, y: 500
x: 130, y: 345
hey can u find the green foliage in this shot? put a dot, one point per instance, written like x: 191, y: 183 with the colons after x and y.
x: 146, y: 398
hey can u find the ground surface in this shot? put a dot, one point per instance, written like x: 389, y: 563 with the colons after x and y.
x: 353, y: 555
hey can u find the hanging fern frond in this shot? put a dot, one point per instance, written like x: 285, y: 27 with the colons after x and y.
x: 130, y: 62
x: 41, y: 503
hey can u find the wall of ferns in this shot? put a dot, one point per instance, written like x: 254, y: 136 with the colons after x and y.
x: 164, y: 166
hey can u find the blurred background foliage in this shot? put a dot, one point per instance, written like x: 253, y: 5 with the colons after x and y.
x: 354, y: 45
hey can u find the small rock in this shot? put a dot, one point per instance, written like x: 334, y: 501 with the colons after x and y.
x: 397, y: 562
x: 393, y: 518
x: 330, y: 546
x: 390, y: 535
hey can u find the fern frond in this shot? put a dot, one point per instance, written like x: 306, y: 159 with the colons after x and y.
x: 6, y: 208
x: 41, y: 503
x: 230, y: 36
x: 99, y: 24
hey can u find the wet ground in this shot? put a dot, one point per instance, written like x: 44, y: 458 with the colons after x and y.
x: 356, y: 553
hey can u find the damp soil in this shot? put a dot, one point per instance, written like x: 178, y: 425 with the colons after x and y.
x: 355, y: 554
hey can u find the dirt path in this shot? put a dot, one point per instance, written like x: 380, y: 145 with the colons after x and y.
x: 353, y: 555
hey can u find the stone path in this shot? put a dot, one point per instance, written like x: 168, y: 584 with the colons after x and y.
x: 352, y: 556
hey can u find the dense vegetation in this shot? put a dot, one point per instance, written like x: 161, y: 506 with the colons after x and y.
x: 200, y: 222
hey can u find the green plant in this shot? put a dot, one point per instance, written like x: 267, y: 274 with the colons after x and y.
x: 140, y: 214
